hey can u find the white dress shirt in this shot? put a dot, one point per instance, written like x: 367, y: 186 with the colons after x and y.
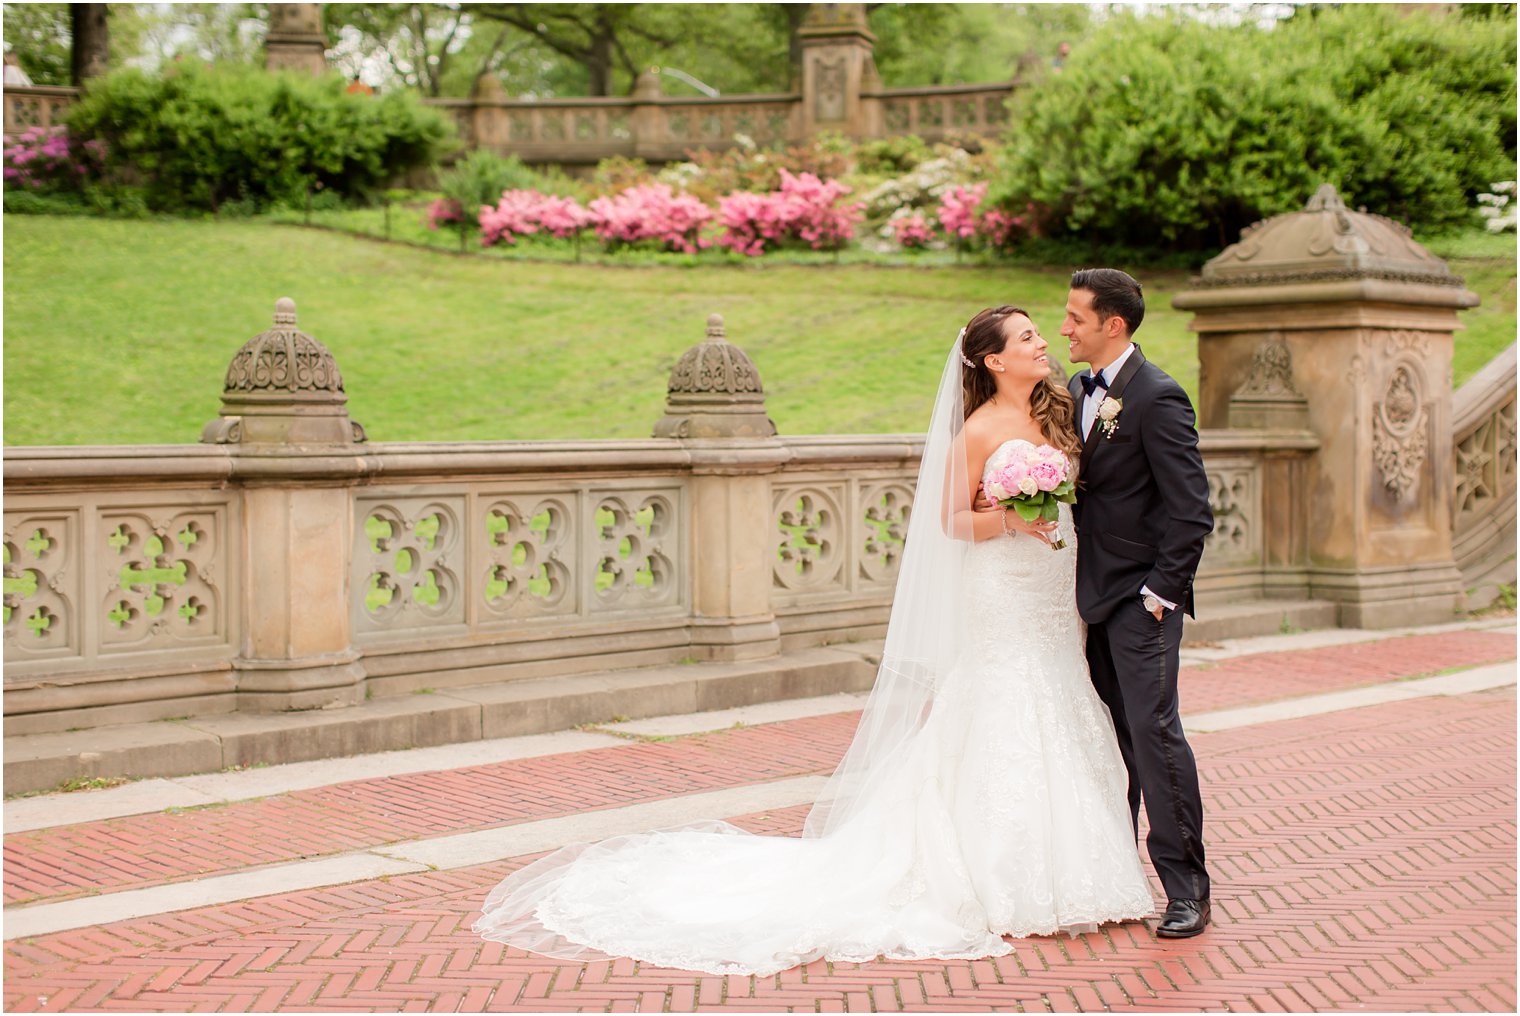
x: 1090, y: 406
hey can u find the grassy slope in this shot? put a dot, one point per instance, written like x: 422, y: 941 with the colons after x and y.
x: 119, y: 332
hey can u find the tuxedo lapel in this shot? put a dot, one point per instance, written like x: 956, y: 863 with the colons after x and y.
x: 1130, y: 369
x: 1079, y: 394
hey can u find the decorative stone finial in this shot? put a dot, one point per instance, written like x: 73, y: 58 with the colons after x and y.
x: 283, y: 386
x: 714, y: 391
x: 1325, y: 242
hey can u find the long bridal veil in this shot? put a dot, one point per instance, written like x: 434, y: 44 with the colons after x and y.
x: 709, y: 896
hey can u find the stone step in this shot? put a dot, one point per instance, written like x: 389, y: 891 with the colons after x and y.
x: 168, y: 748
x: 1245, y: 619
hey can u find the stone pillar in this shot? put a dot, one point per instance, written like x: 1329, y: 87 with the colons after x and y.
x: 284, y: 414
x: 1340, y: 321
x: 716, y: 408
x: 645, y: 122
x: 295, y: 40
x: 837, y: 67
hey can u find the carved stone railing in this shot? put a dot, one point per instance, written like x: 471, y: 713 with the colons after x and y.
x: 1483, y: 498
x: 482, y: 562
x: 944, y: 112
x: 840, y: 509
x: 649, y: 125
x: 122, y: 581
x: 36, y: 106
x: 478, y: 562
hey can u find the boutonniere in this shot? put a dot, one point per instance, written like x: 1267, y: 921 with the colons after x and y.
x: 1108, y: 415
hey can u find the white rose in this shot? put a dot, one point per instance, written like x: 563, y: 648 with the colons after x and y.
x: 1109, y: 408
x: 1027, y: 486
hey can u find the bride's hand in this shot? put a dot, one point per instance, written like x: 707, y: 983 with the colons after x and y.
x: 983, y: 503
x: 1013, y: 524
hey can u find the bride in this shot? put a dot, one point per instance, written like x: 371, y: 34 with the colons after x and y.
x: 983, y: 795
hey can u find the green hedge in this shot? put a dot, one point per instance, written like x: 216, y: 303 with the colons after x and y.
x: 241, y: 138
x: 1163, y: 132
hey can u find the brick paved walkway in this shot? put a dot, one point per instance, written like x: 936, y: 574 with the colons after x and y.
x: 1362, y: 859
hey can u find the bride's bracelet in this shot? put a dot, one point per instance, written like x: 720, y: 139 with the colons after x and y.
x: 1010, y: 532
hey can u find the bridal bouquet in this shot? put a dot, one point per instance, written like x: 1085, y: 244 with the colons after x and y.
x: 1031, y: 479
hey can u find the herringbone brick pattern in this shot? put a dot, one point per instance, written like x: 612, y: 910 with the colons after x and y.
x: 142, y: 850
x: 1269, y: 677
x: 1362, y: 860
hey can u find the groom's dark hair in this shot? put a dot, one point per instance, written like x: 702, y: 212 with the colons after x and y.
x: 1115, y: 294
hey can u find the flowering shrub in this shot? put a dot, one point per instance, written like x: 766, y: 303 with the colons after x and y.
x: 963, y: 217
x: 525, y: 212
x: 445, y: 212
x: 652, y: 212
x: 912, y: 231
x: 958, y: 210
x: 47, y: 159
x: 923, y: 186
x: 805, y: 208
x: 1497, y: 208
x: 710, y: 175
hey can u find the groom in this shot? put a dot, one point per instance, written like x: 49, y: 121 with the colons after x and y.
x: 1142, y: 515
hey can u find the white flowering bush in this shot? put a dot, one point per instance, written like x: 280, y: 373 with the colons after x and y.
x: 921, y: 187
x: 1498, y: 206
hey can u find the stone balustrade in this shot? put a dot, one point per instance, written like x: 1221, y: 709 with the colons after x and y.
x: 127, y: 569
x: 36, y: 106
x: 1483, y: 498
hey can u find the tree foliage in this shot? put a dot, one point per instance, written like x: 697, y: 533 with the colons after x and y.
x: 196, y: 139
x: 39, y: 35
x: 1164, y: 131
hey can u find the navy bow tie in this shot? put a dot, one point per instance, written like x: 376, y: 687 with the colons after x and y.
x: 1091, y: 383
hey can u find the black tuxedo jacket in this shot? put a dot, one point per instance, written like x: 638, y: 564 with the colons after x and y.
x: 1142, y: 508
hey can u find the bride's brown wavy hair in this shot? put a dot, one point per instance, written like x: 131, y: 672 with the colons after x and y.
x: 1050, y: 404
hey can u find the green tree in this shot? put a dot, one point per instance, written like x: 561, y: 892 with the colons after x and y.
x: 1168, y: 132
x: 40, y: 36
x: 950, y: 44
x: 438, y: 49
x: 152, y: 35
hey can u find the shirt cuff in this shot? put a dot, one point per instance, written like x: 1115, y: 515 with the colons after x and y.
x: 1168, y: 604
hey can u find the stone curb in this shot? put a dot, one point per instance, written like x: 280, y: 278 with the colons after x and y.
x: 207, y: 744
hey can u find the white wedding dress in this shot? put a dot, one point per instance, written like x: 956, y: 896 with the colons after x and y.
x: 1002, y: 811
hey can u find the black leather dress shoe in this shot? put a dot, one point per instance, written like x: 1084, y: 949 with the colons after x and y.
x: 1183, y: 919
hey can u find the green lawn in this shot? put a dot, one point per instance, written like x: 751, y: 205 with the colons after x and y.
x: 119, y: 332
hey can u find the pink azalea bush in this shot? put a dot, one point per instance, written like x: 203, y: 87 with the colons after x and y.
x: 961, y: 213
x: 806, y: 208
x: 958, y: 210
x: 444, y: 212
x: 912, y: 231
x: 652, y: 212
x: 46, y: 158
x: 525, y: 212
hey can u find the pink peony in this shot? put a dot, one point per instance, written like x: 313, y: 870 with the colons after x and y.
x: 1047, y: 475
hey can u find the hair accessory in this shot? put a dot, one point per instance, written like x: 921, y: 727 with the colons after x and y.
x: 960, y: 343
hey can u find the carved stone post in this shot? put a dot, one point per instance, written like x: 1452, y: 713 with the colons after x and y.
x: 283, y: 410
x: 645, y: 122
x: 1338, y: 320
x: 716, y: 408
x: 295, y: 41
x: 837, y: 67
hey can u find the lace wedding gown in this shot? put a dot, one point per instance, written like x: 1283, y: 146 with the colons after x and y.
x: 1002, y: 813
